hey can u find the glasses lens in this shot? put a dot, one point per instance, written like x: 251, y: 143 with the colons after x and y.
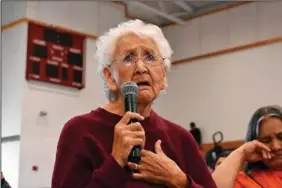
x: 130, y: 60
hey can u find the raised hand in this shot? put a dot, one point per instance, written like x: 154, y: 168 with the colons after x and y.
x: 255, y: 151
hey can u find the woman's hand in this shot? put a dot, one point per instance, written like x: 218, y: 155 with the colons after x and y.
x: 126, y: 137
x: 158, y: 168
x: 254, y: 151
x: 251, y: 151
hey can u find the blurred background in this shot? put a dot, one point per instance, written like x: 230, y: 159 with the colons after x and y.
x: 227, y: 62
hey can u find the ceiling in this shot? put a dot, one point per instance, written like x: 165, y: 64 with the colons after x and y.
x: 163, y: 12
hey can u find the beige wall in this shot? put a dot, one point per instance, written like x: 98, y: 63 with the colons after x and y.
x: 233, y: 27
x: 221, y: 92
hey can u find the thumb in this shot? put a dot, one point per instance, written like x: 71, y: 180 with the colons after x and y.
x: 158, y: 148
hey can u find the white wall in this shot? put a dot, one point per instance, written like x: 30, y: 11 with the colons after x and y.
x: 237, y: 26
x: 13, y: 63
x: 110, y: 15
x: 13, y: 74
x: 39, y: 135
x: 13, y: 56
x: 221, y: 93
x: 13, y: 45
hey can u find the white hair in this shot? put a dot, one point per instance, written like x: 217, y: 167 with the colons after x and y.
x: 105, y: 44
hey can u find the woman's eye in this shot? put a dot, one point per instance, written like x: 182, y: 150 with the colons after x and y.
x: 279, y: 136
x: 265, y: 140
x: 129, y: 59
x: 149, y: 57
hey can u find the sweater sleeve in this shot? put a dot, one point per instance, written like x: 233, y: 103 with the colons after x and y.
x: 78, y: 161
x: 194, y: 184
x: 73, y: 172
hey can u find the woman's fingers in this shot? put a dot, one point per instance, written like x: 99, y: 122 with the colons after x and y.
x: 262, y: 146
x: 264, y: 150
x: 139, y: 176
x: 264, y: 154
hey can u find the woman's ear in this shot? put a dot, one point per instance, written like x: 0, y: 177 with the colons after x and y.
x: 111, y: 82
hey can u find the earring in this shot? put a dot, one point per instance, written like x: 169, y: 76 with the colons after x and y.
x: 112, y: 96
x: 164, y: 84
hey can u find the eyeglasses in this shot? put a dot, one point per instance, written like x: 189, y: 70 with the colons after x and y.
x: 130, y: 60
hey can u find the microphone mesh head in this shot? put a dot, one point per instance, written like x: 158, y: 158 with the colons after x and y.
x: 129, y: 88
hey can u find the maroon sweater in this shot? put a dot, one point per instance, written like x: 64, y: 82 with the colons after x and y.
x: 84, y: 160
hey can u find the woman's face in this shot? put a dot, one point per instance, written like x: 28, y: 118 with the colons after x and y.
x: 143, y: 48
x: 271, y: 135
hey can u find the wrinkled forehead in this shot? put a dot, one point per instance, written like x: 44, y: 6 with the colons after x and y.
x: 131, y: 42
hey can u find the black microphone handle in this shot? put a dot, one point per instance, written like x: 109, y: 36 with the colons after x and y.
x: 135, y: 154
x: 130, y: 102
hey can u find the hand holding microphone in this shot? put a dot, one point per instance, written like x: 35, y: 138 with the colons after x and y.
x: 126, y: 136
x: 129, y: 136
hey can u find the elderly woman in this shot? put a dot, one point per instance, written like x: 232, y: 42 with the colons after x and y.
x: 93, y: 148
x: 262, y: 151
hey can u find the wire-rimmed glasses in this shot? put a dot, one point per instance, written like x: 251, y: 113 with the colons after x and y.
x: 131, y: 59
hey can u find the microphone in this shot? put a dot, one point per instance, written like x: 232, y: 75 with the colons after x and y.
x: 129, y: 91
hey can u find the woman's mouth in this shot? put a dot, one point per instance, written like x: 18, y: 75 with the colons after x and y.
x: 143, y: 83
